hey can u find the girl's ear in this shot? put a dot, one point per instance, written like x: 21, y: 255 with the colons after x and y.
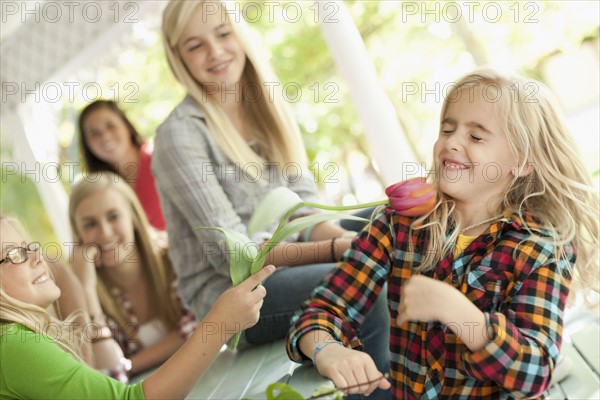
x: 522, y: 172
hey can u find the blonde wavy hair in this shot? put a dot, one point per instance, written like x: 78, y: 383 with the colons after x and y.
x: 157, y: 268
x: 38, y: 319
x: 558, y: 191
x: 278, y: 137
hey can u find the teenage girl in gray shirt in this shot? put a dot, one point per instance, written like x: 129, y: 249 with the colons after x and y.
x: 220, y: 151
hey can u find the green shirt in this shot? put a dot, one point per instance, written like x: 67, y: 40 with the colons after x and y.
x: 34, y: 367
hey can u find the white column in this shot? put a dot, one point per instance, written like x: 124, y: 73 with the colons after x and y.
x: 388, y: 143
x: 30, y: 135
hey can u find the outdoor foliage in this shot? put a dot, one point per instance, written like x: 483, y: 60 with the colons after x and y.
x: 408, y: 50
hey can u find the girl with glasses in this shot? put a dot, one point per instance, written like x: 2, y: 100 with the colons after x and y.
x: 41, y: 355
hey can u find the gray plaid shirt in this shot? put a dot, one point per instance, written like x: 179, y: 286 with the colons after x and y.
x: 199, y: 186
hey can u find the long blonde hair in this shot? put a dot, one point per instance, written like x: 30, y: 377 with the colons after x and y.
x: 65, y: 333
x: 277, y: 134
x: 558, y: 191
x: 157, y: 268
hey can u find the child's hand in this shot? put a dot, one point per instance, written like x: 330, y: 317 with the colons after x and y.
x: 84, y: 265
x: 425, y: 299
x: 239, y: 307
x: 351, y: 369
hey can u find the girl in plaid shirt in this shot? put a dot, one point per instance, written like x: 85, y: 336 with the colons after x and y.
x: 477, y: 286
x: 126, y: 277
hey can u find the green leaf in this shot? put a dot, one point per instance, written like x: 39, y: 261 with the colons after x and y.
x: 282, y: 391
x: 242, y: 253
x: 329, y: 391
x: 293, y: 227
x: 270, y: 210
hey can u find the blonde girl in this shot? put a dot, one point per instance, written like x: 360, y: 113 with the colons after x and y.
x: 40, y: 355
x: 125, y: 276
x: 477, y: 287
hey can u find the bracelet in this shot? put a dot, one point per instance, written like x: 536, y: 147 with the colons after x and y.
x: 332, y: 249
x: 306, y: 236
x: 320, y: 347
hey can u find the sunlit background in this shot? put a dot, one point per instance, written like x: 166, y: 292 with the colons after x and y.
x: 416, y: 48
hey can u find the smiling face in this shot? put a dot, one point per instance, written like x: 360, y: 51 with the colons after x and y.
x: 211, y: 51
x: 104, y: 218
x: 473, y: 159
x: 107, y: 135
x: 30, y: 281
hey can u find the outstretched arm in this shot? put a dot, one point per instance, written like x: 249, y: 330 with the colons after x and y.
x: 236, y: 309
x: 156, y: 354
x: 338, y: 307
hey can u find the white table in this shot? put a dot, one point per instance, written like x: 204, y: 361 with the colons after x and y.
x: 248, y: 373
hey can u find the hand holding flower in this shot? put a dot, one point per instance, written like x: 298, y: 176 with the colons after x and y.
x: 239, y: 307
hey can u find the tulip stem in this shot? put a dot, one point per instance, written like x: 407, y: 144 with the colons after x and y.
x: 347, y: 208
x: 269, y: 245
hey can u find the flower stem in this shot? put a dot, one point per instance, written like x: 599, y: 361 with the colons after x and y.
x: 346, y: 208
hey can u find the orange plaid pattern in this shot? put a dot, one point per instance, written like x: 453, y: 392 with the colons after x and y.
x: 510, y: 273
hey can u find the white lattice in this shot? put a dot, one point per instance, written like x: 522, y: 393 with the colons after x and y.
x: 43, y: 45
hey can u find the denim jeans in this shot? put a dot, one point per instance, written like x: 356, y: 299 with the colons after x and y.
x: 288, y: 288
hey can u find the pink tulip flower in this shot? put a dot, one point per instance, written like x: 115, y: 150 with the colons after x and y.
x: 412, y: 198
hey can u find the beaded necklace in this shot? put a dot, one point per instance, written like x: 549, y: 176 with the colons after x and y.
x: 481, y: 223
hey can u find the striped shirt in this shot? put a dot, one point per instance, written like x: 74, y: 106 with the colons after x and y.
x: 510, y: 274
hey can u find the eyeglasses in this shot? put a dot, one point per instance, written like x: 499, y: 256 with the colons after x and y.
x: 18, y: 255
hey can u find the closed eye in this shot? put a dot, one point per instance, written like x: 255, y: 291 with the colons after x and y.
x: 475, y: 138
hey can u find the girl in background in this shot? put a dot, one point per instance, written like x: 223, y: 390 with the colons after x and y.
x: 477, y: 287
x: 110, y: 142
x: 129, y: 283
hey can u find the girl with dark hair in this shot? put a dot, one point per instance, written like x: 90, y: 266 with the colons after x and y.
x: 110, y: 142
